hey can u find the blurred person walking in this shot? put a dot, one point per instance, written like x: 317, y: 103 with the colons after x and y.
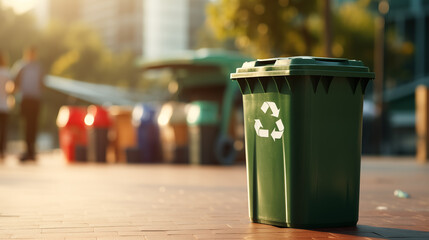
x: 6, y: 87
x: 29, y: 82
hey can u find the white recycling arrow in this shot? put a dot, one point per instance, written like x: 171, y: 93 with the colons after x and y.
x: 278, y: 134
x: 274, y: 109
x: 272, y: 106
x: 280, y: 126
x: 258, y: 125
x: 275, y: 134
x: 265, y: 107
x: 260, y: 132
x: 263, y: 133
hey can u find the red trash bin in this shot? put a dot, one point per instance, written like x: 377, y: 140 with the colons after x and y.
x: 98, y: 122
x: 72, y: 131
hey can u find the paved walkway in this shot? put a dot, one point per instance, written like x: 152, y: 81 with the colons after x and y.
x: 52, y: 200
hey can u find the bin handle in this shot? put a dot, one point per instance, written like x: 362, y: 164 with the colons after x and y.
x: 225, y: 151
x: 337, y: 60
x: 265, y: 62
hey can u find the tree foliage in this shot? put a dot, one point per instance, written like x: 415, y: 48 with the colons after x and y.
x: 16, y: 31
x: 73, y: 51
x: 268, y: 28
x: 354, y: 32
x: 265, y: 28
x: 81, y: 54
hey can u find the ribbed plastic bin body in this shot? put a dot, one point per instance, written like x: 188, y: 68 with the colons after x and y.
x: 303, y: 125
x: 148, y: 136
x: 123, y: 133
x: 203, y: 129
x: 98, y: 123
x: 72, y: 132
x: 97, y: 144
x: 174, y: 132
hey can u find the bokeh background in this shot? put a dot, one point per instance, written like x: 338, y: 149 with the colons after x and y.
x: 106, y: 41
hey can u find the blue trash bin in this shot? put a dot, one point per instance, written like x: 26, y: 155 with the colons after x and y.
x: 148, y: 140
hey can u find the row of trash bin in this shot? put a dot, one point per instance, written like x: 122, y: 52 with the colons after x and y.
x: 176, y: 133
x: 303, y: 126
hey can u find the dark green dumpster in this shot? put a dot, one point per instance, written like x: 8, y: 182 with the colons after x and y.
x: 203, y: 131
x: 303, y: 131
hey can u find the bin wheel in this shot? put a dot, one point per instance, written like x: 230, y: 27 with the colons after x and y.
x: 225, y: 151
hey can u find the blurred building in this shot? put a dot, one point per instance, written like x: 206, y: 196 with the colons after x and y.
x: 41, y: 12
x: 151, y: 28
x: 65, y: 11
x: 166, y: 26
x: 171, y: 25
x: 196, y: 19
x: 119, y: 22
x: 406, y: 66
x: 57, y: 10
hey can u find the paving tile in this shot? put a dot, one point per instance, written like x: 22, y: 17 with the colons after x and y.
x: 135, y: 237
x: 134, y: 233
x: 116, y: 229
x: 107, y: 238
x: 78, y: 238
x: 53, y: 238
x: 190, y: 232
x: 181, y: 237
x: 67, y: 230
x: 108, y: 202
x: 220, y: 236
x: 156, y: 237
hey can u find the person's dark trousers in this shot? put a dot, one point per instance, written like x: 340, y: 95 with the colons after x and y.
x: 3, y: 131
x: 30, y: 114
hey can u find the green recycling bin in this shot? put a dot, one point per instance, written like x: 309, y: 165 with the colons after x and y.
x: 303, y: 131
x: 203, y: 130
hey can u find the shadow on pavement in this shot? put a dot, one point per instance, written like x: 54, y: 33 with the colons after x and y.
x: 377, y: 232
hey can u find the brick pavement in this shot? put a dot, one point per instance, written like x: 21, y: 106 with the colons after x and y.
x: 53, y: 200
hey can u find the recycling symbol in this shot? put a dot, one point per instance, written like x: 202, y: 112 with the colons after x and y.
x: 275, y: 133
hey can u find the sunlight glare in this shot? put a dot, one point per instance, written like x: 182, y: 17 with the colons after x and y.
x: 20, y: 6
